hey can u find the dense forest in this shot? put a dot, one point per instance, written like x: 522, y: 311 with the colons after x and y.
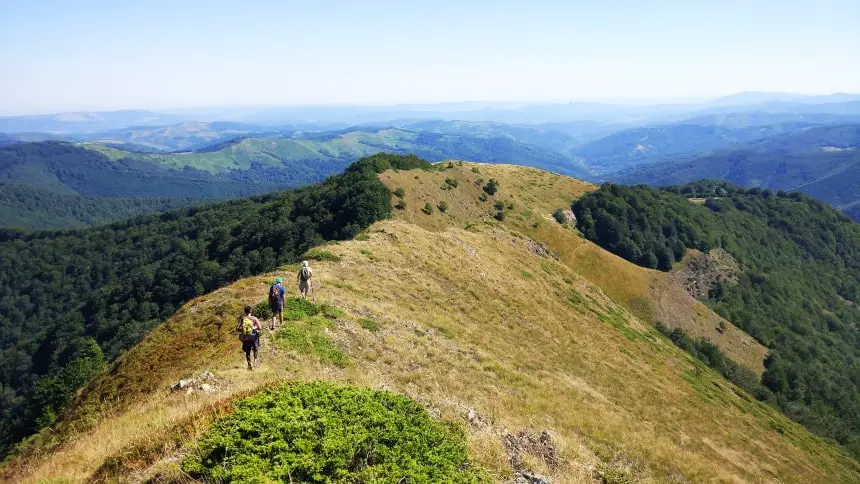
x: 28, y: 208
x: 72, y: 300
x: 798, y: 293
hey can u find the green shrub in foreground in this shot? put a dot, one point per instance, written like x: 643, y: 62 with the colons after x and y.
x: 319, y: 432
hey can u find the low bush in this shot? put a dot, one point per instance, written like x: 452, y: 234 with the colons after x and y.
x: 319, y: 432
x: 500, y: 216
x: 491, y: 187
x: 369, y: 324
x: 262, y: 310
x: 442, y: 206
x: 321, y: 255
x: 451, y: 182
x: 400, y: 192
x: 428, y: 209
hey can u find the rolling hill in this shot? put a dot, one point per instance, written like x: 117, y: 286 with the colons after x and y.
x: 821, y: 161
x: 184, y: 136
x: 339, y: 148
x: 646, y: 145
x: 534, y: 342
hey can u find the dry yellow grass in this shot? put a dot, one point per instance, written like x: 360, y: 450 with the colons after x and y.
x: 650, y: 295
x: 473, y: 318
x: 469, y: 319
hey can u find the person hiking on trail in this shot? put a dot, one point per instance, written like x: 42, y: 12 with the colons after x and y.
x: 249, y: 329
x: 276, y: 302
x: 304, y: 278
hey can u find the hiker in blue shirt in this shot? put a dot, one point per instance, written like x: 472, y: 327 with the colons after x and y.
x: 276, y: 302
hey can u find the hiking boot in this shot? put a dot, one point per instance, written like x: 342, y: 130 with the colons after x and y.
x: 250, y: 367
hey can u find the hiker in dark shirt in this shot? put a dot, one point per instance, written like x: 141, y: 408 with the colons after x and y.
x: 249, y: 329
x: 276, y: 302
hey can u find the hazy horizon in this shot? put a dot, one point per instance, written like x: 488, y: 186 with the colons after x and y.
x: 173, y: 56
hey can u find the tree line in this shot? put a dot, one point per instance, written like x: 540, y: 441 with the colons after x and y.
x: 72, y: 300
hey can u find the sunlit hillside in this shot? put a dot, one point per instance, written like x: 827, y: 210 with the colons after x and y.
x: 511, y: 329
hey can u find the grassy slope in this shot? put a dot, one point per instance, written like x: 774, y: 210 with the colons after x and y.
x: 469, y: 319
x: 648, y: 294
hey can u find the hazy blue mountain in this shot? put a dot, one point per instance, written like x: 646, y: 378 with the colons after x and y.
x: 762, y: 118
x: 10, y: 139
x: 822, y: 161
x: 755, y: 97
x: 547, y: 139
x: 184, y: 136
x: 330, y: 117
x: 653, y: 144
x: 84, y: 121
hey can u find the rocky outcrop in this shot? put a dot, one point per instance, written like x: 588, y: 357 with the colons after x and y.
x: 701, y: 272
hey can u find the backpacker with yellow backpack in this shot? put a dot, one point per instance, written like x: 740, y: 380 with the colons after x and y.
x: 247, y: 331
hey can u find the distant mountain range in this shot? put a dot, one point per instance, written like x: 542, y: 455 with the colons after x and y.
x: 84, y: 122
x: 330, y: 117
x: 822, y: 161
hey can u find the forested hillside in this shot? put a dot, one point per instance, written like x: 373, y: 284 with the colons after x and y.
x: 66, y: 168
x: 71, y: 300
x: 28, y: 208
x: 797, y: 293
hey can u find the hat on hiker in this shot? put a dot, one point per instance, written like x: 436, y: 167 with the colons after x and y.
x: 304, y: 263
x: 278, y: 280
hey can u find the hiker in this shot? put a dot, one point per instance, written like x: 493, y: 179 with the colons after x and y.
x: 304, y: 278
x: 249, y: 329
x: 276, y: 302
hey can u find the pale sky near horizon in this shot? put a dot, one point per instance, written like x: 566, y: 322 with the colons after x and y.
x: 103, y: 55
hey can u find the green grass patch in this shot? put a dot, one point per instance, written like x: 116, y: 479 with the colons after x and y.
x: 319, y: 432
x: 362, y: 237
x: 617, y: 321
x: 527, y: 275
x: 308, y: 337
x: 296, y: 309
x: 321, y: 255
x: 370, y: 325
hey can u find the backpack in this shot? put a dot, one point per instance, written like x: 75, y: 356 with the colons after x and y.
x: 247, y: 331
x: 305, y: 274
x: 274, y: 294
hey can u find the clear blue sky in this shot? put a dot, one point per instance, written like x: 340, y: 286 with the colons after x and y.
x: 69, y: 55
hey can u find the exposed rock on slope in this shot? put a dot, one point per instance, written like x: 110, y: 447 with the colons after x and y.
x: 701, y: 272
